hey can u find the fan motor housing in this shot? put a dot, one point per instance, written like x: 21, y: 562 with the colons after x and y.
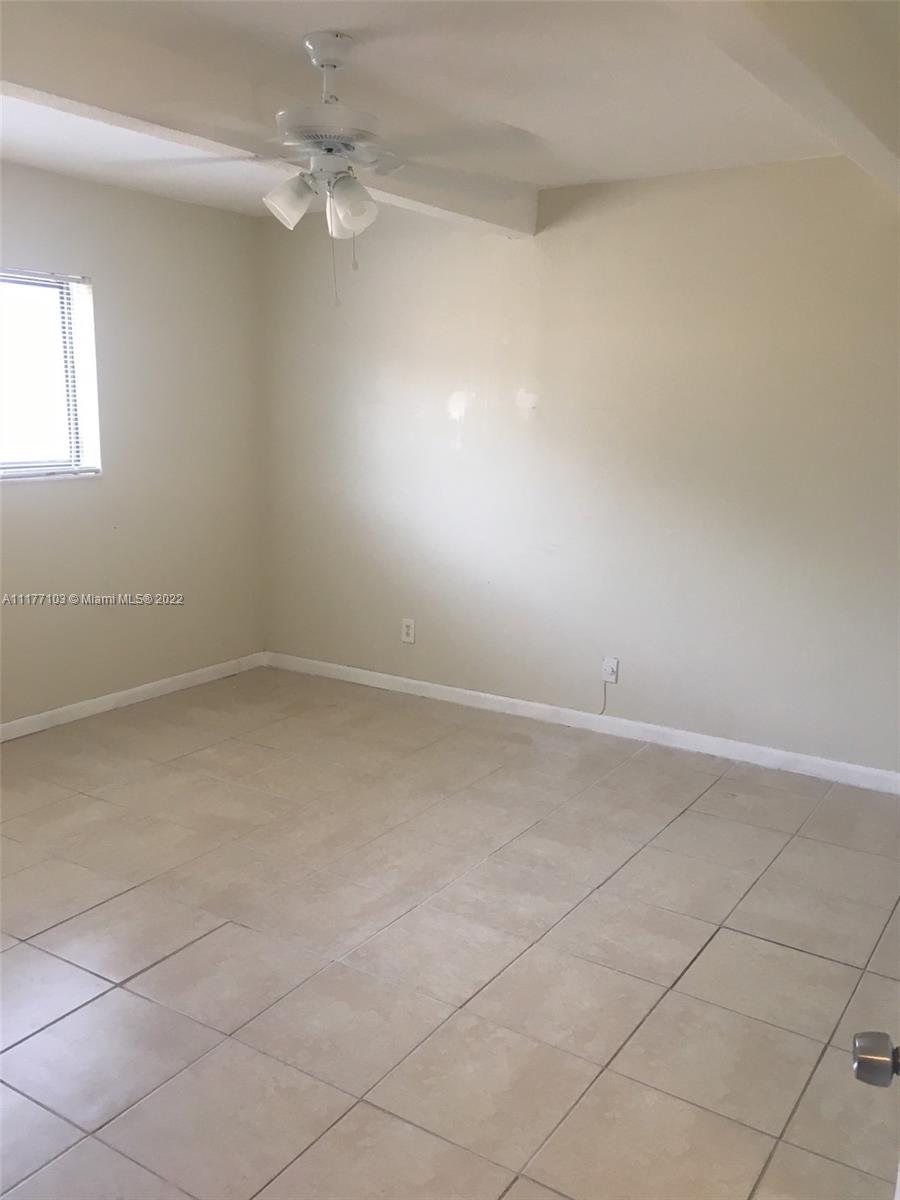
x: 325, y: 128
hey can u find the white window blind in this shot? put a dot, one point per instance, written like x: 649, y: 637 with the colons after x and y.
x: 48, y: 376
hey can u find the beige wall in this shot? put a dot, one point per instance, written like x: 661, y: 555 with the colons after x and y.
x: 679, y: 446
x: 176, y: 303
x: 706, y: 485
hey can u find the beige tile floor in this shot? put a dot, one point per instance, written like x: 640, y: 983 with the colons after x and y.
x: 291, y: 938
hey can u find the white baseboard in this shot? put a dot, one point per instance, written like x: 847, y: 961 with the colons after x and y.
x: 876, y: 778
x: 144, y: 691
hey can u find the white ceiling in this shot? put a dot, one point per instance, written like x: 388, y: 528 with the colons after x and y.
x: 601, y: 91
x: 610, y: 90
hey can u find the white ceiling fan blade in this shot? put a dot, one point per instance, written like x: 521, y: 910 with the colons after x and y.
x: 462, y: 139
x: 376, y: 158
x: 199, y: 160
x: 428, y: 175
x: 214, y: 119
x: 265, y: 157
x: 486, y: 202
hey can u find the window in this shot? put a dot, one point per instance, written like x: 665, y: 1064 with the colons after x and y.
x: 48, y: 377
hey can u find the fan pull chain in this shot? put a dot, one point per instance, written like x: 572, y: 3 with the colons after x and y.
x: 337, y: 299
x: 355, y: 264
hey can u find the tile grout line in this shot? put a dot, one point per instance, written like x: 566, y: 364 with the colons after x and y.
x: 607, y: 1066
x: 818, y: 1063
x: 94, y: 1132
x: 749, y: 1016
x: 359, y: 1100
x: 316, y: 1139
x: 78, y: 1007
x: 509, y: 964
x: 53, y: 1158
x: 814, y: 891
x: 440, y: 1136
x: 46, y: 1107
x: 116, y: 983
x: 437, y: 892
x: 127, y: 811
x: 88, y: 1137
x: 90, y: 908
x: 550, y: 1191
x: 342, y: 959
x: 668, y: 990
x: 122, y: 983
x: 455, y: 1010
x: 530, y: 946
x: 779, y: 1137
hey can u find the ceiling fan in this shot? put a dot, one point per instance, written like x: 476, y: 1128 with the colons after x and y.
x: 330, y: 141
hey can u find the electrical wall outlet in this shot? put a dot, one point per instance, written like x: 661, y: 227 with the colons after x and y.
x: 408, y: 630
x: 609, y: 669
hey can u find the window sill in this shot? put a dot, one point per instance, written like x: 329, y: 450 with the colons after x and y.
x: 47, y: 476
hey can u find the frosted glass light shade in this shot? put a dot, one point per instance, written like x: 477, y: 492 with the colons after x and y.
x: 289, y: 201
x: 355, y: 208
x: 336, y: 226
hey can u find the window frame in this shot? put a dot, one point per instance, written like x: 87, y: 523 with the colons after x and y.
x: 80, y: 380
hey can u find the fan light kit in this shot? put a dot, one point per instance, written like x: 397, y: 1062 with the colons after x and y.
x: 332, y: 138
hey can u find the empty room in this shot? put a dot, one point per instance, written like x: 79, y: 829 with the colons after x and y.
x: 450, y: 598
